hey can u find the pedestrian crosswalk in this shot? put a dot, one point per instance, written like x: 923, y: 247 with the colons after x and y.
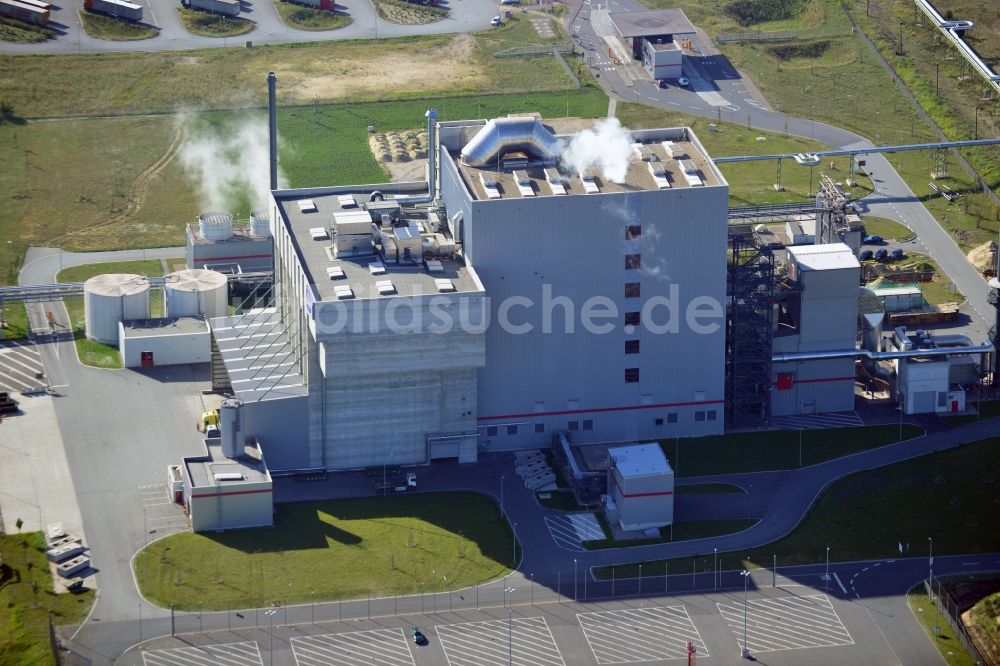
x: 20, y: 366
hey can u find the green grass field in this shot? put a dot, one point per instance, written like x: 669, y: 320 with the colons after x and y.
x: 27, y: 598
x: 987, y: 410
x: 774, y: 450
x: 944, y: 638
x: 15, y: 319
x: 679, y: 531
x: 750, y: 182
x: 333, y: 550
x: 400, y: 11
x: 309, y: 18
x: 887, y: 229
x: 985, y: 613
x: 207, y: 24
x: 12, y: 30
x: 950, y: 496
x: 115, y: 29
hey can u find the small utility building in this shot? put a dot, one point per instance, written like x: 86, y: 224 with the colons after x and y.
x: 657, y: 39
x: 640, y: 487
x: 168, y: 341
x: 222, y: 493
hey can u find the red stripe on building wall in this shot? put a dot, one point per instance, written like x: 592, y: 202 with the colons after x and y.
x: 664, y: 492
x: 235, y: 492
x: 248, y: 256
x: 824, y: 379
x: 598, y: 410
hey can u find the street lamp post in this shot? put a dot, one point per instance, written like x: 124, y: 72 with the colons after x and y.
x: 270, y: 650
x: 745, y: 652
x: 828, y: 568
x: 715, y: 560
x: 930, y: 558
x: 509, y: 594
x: 575, y: 578
x: 502, y: 514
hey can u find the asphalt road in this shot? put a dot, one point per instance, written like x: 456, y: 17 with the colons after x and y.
x: 463, y: 16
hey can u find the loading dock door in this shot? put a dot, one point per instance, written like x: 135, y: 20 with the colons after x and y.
x: 444, y: 449
x: 924, y: 402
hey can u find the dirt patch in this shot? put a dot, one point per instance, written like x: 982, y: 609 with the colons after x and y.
x: 444, y: 69
x: 805, y: 50
x: 570, y: 125
x: 403, y: 154
x: 982, y: 256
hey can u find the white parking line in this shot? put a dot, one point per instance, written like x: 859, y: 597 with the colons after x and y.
x: 485, y: 643
x: 640, y: 634
x: 353, y: 648
x: 842, y: 588
x: 228, y: 654
x: 786, y: 623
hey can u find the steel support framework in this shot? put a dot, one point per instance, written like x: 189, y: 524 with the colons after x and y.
x: 750, y: 288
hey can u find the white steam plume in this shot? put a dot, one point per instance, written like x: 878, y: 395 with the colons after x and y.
x: 606, y: 148
x: 228, y: 163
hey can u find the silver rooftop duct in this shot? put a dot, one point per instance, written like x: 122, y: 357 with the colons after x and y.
x: 432, y: 158
x: 504, y: 135
x: 784, y: 357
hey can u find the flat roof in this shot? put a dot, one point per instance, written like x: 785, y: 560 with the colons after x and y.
x: 652, y: 23
x: 831, y: 256
x: 640, y: 460
x: 250, y: 466
x: 146, y: 328
x: 658, y: 161
x: 318, y: 252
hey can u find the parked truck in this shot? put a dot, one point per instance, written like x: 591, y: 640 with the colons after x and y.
x: 7, y: 404
x: 24, y: 12
x: 224, y: 7
x: 117, y: 8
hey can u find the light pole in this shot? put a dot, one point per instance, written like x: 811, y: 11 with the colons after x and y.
x: 745, y: 652
x: 270, y: 650
x: 513, y: 560
x: 502, y: 514
x: 827, y: 568
x: 509, y: 595
x: 715, y: 560
x: 575, y: 578
x: 930, y: 558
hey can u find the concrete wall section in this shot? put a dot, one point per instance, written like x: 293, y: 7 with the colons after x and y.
x: 282, y: 425
x: 171, y: 349
x: 231, y: 507
x: 817, y: 386
x: 645, y: 501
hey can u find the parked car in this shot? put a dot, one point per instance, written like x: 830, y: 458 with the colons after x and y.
x: 496, y: 21
x: 683, y: 81
x: 510, y: 2
x: 418, y: 636
x: 662, y: 83
x: 881, y: 255
x: 897, y: 254
x: 865, y: 255
x: 873, y: 240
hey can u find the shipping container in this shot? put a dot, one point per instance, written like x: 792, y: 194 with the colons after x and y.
x: 117, y: 8
x: 36, y: 3
x: 23, y: 12
x: 225, y: 7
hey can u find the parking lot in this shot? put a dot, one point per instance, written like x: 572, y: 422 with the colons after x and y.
x: 231, y: 654
x: 388, y: 647
x: 786, y: 623
x: 20, y: 366
x: 482, y: 643
x: 640, y: 634
x: 568, y: 531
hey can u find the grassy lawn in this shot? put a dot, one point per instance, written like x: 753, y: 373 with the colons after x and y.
x: 12, y: 30
x: 774, y: 450
x: 399, y: 11
x: 333, y: 550
x: 96, y: 353
x: 887, y: 229
x: 708, y: 489
x: 15, y: 318
x: 985, y: 614
x: 207, y: 24
x: 937, y: 291
x: 944, y: 639
x: 711, y: 17
x: 27, y: 598
x: 561, y: 500
x: 309, y: 18
x: 750, y: 182
x: 115, y: 29
x: 680, y: 531
x: 987, y: 410
x: 950, y: 496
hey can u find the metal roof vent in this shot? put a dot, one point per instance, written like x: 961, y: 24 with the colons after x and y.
x: 507, y: 135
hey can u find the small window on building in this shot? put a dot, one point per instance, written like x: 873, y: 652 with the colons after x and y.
x: 659, y: 422
x: 632, y: 318
x: 711, y: 414
x: 574, y: 425
x: 632, y: 376
x: 491, y: 431
x: 633, y: 231
x: 633, y: 261
x: 672, y: 417
x: 699, y: 416
x: 588, y: 424
x: 539, y: 427
x: 512, y: 430
x: 631, y: 346
x: 631, y: 290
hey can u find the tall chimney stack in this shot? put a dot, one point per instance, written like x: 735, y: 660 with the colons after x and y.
x: 272, y: 126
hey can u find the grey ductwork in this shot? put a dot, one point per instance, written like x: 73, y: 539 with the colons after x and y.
x: 504, y: 135
x: 432, y: 157
x: 787, y: 357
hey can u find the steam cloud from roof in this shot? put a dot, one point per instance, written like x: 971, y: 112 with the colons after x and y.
x: 605, y: 148
x: 228, y: 165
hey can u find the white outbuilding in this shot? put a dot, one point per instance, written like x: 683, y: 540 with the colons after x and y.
x: 640, y: 487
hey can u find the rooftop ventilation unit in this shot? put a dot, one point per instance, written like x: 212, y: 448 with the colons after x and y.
x: 307, y: 206
x: 659, y: 174
x: 319, y: 233
x: 335, y: 272
x: 673, y: 150
x: 589, y: 184
x: 228, y: 476
x: 346, y: 201
x: 385, y: 287
x: 555, y: 181
x: 376, y: 268
x: 502, y: 136
x: 524, y: 183
x: 691, y: 173
x: 434, y: 266
x: 515, y: 160
x: 215, y: 226
x: 490, y: 184
x: 644, y: 153
x: 343, y: 292
x: 444, y: 285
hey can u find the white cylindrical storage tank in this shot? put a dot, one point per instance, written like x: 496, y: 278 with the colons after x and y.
x: 232, y: 429
x: 196, y: 293
x: 215, y: 226
x: 260, y: 223
x: 111, y: 298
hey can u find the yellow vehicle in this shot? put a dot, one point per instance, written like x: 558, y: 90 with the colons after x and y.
x: 210, y: 422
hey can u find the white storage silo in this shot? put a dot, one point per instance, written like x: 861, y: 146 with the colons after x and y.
x: 232, y: 429
x: 260, y: 223
x: 111, y: 298
x: 196, y: 293
x: 215, y: 226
